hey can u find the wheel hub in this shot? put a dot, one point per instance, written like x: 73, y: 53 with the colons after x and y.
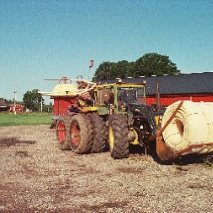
x: 61, y: 132
x: 111, y: 139
x: 75, y: 133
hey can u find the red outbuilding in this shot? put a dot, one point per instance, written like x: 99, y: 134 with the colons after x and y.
x: 194, y: 86
x: 18, y: 108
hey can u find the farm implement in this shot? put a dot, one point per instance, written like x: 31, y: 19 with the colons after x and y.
x: 91, y: 118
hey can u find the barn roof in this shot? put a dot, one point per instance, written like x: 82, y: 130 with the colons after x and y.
x: 194, y: 83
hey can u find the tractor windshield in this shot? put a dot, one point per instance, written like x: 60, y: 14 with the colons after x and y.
x: 131, y: 95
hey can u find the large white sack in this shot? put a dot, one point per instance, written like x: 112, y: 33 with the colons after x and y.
x: 191, y: 130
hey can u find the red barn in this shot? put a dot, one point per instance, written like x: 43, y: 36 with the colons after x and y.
x: 195, y: 86
x: 18, y: 108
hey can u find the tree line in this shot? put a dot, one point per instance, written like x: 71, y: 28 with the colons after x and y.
x: 147, y: 65
x: 9, y: 101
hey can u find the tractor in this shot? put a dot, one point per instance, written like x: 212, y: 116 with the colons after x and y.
x: 108, y: 116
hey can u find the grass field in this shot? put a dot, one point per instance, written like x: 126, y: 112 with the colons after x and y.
x: 28, y: 119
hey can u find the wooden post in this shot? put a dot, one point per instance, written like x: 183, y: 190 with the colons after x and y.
x: 14, y: 102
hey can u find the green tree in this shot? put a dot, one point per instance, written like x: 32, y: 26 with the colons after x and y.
x: 32, y: 100
x: 111, y: 70
x: 105, y: 71
x: 4, y: 100
x: 147, y: 65
x: 154, y: 64
x: 123, y: 69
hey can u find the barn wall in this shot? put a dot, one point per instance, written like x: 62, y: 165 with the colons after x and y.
x: 166, y: 100
x: 18, y: 108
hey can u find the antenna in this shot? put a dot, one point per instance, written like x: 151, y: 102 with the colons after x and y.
x: 64, y: 80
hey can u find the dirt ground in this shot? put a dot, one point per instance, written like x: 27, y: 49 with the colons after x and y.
x: 36, y: 176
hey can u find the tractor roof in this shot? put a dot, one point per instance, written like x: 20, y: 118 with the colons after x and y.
x: 120, y: 84
x: 63, y: 90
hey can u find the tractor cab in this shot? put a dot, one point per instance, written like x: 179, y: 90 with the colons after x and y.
x: 116, y: 97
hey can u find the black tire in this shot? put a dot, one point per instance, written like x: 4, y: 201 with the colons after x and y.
x: 81, y: 134
x: 53, y: 124
x: 118, y: 137
x: 99, y: 133
x: 63, y: 132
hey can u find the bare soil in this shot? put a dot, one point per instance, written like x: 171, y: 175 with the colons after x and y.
x: 36, y: 176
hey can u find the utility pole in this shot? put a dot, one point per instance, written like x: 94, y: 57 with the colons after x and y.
x: 157, y: 97
x: 41, y: 104
x: 14, y: 102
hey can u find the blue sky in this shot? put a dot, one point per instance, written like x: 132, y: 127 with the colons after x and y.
x: 52, y: 38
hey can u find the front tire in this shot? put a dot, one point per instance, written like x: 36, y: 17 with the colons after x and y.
x: 63, y: 133
x: 118, y: 137
x: 99, y: 133
x: 81, y: 134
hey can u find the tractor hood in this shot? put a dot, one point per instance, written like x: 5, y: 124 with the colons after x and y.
x: 144, y: 113
x: 137, y: 108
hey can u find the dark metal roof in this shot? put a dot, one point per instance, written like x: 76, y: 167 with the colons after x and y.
x: 194, y: 83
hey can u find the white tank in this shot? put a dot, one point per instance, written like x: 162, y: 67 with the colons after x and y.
x: 64, y: 90
x: 191, y: 130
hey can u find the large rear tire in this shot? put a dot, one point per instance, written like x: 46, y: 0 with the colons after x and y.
x: 63, y: 132
x: 99, y: 133
x: 81, y: 134
x: 118, y: 137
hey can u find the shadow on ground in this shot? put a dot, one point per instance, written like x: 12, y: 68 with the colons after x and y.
x: 183, y: 160
x: 7, y: 142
